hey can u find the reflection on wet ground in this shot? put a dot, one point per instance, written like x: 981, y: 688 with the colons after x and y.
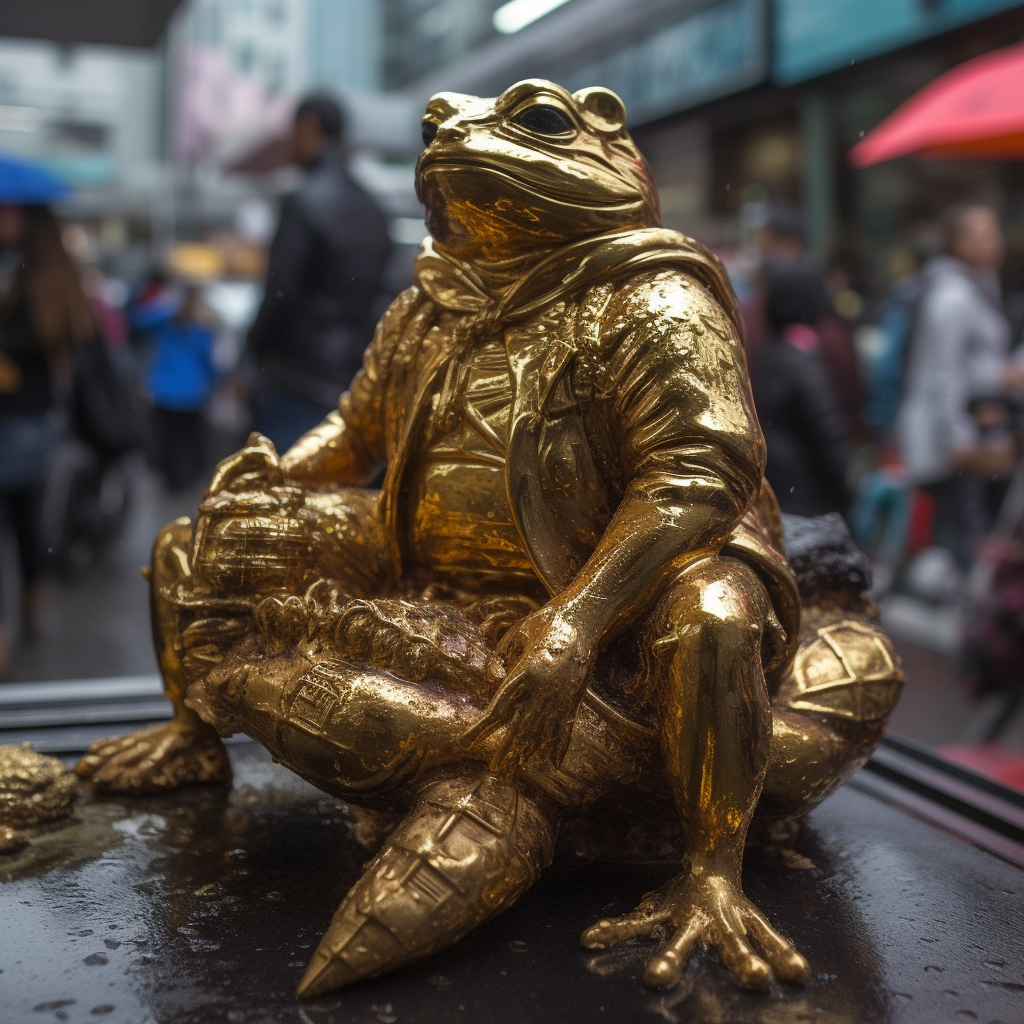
x: 205, y: 906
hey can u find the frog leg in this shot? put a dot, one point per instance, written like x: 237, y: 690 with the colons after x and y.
x: 349, y: 547
x: 185, y: 749
x: 715, y: 735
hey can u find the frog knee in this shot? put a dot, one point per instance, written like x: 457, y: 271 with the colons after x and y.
x: 728, y: 630
x: 727, y: 613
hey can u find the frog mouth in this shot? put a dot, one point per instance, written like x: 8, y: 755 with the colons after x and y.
x: 543, y: 191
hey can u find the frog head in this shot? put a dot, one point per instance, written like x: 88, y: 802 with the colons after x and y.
x: 534, y: 169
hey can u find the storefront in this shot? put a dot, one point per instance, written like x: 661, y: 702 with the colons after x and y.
x: 786, y: 139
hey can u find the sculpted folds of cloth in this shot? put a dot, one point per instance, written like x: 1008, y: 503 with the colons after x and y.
x: 568, y: 607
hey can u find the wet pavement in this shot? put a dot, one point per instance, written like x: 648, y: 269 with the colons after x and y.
x: 204, y: 906
x: 95, y: 620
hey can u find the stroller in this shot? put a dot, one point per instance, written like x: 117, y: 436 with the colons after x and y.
x: 992, y: 656
x: 86, y: 501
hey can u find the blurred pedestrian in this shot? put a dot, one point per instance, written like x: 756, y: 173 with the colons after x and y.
x: 781, y: 244
x: 326, y: 263
x: 953, y: 421
x: 43, y: 318
x: 796, y: 399
x: 179, y: 379
x: 779, y: 240
x: 107, y: 298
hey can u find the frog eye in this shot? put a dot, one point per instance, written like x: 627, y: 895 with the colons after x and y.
x: 545, y: 120
x: 429, y: 132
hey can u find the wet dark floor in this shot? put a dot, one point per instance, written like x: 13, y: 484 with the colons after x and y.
x: 204, y: 906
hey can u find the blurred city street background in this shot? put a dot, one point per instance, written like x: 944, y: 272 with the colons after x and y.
x: 169, y: 135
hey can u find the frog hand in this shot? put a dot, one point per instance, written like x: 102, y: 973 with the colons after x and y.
x: 256, y: 467
x: 536, y: 704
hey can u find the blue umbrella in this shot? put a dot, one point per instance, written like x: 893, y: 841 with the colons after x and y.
x: 24, y: 182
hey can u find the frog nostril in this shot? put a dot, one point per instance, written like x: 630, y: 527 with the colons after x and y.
x: 429, y: 132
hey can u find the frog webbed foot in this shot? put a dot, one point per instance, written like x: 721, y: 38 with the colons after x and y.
x: 156, y: 759
x: 711, y: 909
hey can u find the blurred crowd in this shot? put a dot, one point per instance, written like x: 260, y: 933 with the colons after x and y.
x: 98, y: 374
x: 906, y: 427
x: 909, y: 427
x: 904, y: 419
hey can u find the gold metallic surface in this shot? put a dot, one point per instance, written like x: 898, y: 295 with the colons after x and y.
x: 569, y: 593
x: 34, y: 790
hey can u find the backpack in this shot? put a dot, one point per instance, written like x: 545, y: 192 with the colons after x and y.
x: 886, y: 372
x: 104, y: 409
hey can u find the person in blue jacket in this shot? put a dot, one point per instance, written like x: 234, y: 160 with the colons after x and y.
x: 179, y: 379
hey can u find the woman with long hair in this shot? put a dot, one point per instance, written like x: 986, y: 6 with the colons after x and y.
x: 43, y: 317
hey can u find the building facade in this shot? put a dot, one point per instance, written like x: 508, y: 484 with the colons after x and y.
x: 742, y: 103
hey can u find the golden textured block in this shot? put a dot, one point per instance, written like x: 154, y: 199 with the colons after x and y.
x: 34, y: 790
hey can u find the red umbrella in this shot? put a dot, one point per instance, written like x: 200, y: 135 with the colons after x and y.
x: 974, y: 111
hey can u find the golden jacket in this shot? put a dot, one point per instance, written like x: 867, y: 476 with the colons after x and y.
x: 632, y: 415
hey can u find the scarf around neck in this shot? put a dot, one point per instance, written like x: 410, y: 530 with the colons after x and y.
x: 516, y: 289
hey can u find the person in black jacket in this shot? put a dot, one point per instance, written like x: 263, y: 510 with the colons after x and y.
x: 796, y: 399
x: 326, y: 263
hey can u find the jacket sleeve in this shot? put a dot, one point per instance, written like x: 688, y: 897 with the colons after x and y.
x: 692, y: 449
x: 289, y: 255
x: 348, y: 446
x: 943, y: 336
x: 147, y: 315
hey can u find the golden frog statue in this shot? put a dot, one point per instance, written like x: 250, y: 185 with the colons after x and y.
x: 567, y: 606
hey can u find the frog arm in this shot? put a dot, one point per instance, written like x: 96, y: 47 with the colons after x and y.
x: 346, y: 448
x: 661, y: 526
x: 692, y: 449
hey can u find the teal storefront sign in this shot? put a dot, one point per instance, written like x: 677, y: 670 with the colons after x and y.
x: 813, y: 37
x: 714, y: 50
x: 80, y: 169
